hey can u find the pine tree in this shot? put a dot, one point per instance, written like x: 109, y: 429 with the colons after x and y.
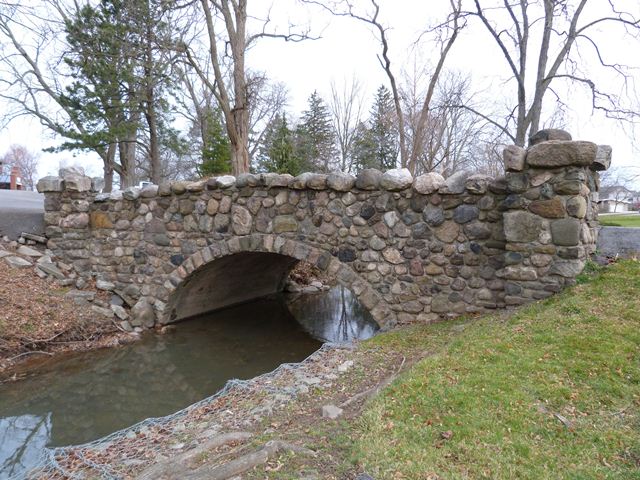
x: 120, y: 78
x: 377, y: 145
x: 315, y: 136
x: 277, y: 153
x: 216, y: 150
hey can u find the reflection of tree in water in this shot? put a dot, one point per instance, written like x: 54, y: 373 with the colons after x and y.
x: 22, y: 440
x: 333, y: 316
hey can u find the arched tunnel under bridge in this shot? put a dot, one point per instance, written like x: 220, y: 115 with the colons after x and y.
x: 245, y: 276
x: 230, y: 280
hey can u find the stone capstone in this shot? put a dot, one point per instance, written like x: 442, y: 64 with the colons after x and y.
x: 514, y: 158
x: 549, y: 134
x: 49, y: 184
x: 76, y: 183
x: 396, y: 179
x: 131, y: 193
x: 558, y: 153
x: 455, y: 183
x: 603, y: 158
x: 225, y: 181
x: 317, y: 181
x: 368, y: 179
x: 478, y: 184
x: 428, y: 183
x: 340, y: 182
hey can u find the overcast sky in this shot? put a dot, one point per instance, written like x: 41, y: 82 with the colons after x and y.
x: 348, y: 48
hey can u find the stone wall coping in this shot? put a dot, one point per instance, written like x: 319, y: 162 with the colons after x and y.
x: 395, y: 180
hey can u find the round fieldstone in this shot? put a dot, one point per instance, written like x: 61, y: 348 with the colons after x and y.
x: 577, y: 207
x: 433, y: 215
x: 346, y: 254
x: 522, y: 227
x: 465, y: 213
x: 241, y: 220
x: 566, y: 232
x: 553, y: 208
x: 367, y: 211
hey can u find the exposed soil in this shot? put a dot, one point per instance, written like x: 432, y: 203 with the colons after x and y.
x: 37, y: 320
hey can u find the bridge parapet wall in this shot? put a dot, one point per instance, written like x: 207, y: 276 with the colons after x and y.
x: 411, y: 248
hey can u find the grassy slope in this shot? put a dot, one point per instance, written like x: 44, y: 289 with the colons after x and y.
x: 550, y: 392
x: 631, y: 220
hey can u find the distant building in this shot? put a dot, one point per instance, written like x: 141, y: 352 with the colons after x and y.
x: 12, y: 181
x: 616, y: 199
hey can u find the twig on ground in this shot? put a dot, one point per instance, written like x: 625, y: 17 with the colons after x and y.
x: 33, y: 352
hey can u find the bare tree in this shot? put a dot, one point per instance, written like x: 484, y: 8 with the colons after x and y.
x: 447, y: 33
x: 555, y: 35
x: 27, y: 161
x: 228, y: 39
x: 346, y: 110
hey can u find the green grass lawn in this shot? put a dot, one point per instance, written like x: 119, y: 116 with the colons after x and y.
x: 552, y: 391
x: 620, y: 220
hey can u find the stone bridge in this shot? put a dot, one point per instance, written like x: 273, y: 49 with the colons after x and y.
x: 409, y: 248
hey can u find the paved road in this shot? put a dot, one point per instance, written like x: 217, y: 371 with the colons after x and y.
x: 619, y: 240
x: 21, y: 212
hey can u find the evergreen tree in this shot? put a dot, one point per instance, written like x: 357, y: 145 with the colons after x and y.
x: 216, y: 148
x: 315, y: 136
x: 121, y: 75
x: 277, y: 153
x: 377, y: 145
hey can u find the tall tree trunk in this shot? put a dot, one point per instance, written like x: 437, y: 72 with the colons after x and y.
x: 108, y: 168
x: 150, y: 111
x: 240, y: 138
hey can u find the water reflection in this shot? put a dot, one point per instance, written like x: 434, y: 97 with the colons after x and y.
x: 22, y: 440
x: 81, y: 397
x: 333, y: 316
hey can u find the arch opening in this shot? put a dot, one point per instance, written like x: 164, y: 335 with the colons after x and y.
x: 230, y: 280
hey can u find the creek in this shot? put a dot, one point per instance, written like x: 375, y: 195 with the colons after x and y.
x: 76, y: 398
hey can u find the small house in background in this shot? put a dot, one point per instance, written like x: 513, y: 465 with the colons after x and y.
x: 617, y: 199
x: 12, y: 181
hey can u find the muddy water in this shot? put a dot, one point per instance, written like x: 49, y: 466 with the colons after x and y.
x: 81, y: 397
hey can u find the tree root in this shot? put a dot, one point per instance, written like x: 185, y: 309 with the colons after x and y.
x: 245, y: 462
x: 176, y: 467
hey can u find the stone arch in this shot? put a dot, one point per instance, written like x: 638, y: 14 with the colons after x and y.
x: 286, y: 252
